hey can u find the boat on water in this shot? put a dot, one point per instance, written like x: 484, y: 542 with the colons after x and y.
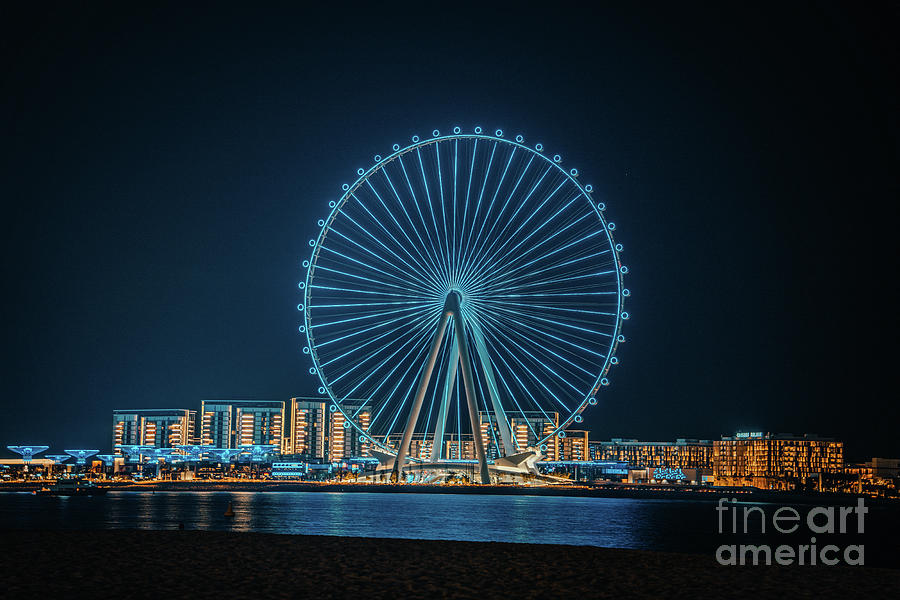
x: 72, y: 487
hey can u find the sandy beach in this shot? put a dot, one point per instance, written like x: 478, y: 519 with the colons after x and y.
x: 206, y: 564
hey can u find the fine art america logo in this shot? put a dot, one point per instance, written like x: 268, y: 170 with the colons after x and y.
x: 819, y: 520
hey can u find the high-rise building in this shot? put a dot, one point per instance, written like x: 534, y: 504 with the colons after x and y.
x: 158, y: 427
x: 235, y: 423
x: 307, y: 428
x: 769, y: 460
x: 316, y: 431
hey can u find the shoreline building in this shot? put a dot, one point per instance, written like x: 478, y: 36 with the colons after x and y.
x: 775, y: 461
x: 235, y: 423
x: 157, y: 427
x: 313, y: 430
x: 683, y: 453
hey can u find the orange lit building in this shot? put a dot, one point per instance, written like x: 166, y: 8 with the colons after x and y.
x: 774, y: 461
x: 157, y: 427
x: 683, y: 453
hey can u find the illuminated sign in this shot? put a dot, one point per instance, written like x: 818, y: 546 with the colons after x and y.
x: 666, y: 473
x: 297, y: 469
x: 742, y: 435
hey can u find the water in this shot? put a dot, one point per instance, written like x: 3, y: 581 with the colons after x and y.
x: 667, y: 525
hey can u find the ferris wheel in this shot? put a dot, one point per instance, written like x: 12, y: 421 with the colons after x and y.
x: 471, y: 254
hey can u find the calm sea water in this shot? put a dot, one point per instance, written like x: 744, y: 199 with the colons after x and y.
x: 668, y: 525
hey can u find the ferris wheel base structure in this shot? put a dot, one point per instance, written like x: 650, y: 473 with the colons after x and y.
x: 513, y: 467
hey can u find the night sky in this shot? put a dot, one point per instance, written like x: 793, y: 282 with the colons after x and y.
x: 164, y: 167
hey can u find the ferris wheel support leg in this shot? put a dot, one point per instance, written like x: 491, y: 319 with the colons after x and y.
x: 420, y: 396
x: 506, y: 439
x: 437, y: 442
x: 469, y: 383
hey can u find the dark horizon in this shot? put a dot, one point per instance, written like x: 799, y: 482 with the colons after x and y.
x: 166, y: 166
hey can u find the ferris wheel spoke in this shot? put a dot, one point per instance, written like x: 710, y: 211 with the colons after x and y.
x: 565, y: 262
x: 436, y: 253
x: 357, y: 278
x: 499, y: 262
x: 353, y: 334
x: 546, y: 307
x: 525, y: 389
x: 426, y: 267
x: 373, y: 268
x: 512, y: 396
x: 420, y: 334
x: 413, y: 226
x: 476, y: 255
x: 406, y: 397
x: 422, y: 268
x: 383, y: 245
x: 466, y: 205
x: 573, y: 339
x: 505, y: 270
x: 374, y: 338
x: 487, y: 174
x: 490, y: 251
x: 546, y: 282
x: 541, y: 363
x: 379, y: 257
x: 397, y: 364
x: 527, y: 336
x: 437, y: 234
x: 437, y: 157
x: 490, y: 208
x: 539, y: 380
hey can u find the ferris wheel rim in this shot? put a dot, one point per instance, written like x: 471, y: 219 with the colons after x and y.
x: 363, y: 175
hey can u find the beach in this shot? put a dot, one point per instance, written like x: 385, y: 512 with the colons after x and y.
x: 212, y: 564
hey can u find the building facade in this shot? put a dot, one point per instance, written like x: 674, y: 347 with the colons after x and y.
x: 235, y: 423
x: 316, y: 432
x: 774, y: 461
x: 157, y: 427
x: 683, y: 453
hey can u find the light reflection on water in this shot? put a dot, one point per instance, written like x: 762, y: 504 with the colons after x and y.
x: 659, y: 524
x: 622, y: 523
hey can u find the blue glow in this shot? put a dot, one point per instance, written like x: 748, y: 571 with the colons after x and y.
x: 81, y: 456
x: 589, y: 188
x: 530, y: 252
x: 614, y: 360
x: 667, y: 473
x: 377, y: 158
x: 435, y: 133
x: 27, y: 452
x: 499, y: 133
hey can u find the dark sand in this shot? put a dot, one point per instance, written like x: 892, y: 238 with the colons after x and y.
x: 207, y: 564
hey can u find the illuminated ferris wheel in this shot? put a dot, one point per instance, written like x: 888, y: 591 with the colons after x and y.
x: 464, y: 287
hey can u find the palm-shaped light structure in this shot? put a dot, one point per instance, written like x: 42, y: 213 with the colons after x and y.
x: 81, y: 455
x: 27, y: 452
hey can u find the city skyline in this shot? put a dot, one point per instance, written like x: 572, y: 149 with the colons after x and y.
x: 158, y: 243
